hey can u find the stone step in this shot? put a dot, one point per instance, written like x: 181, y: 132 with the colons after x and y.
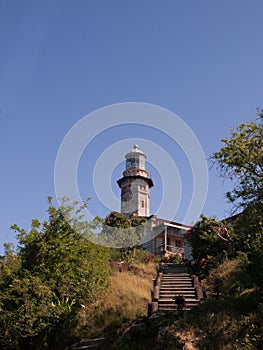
x: 85, y: 344
x: 171, y: 300
x: 173, y: 264
x: 173, y: 281
x: 184, y: 293
x: 173, y: 295
x: 163, y: 312
x: 172, y: 308
x: 177, y: 290
x: 165, y: 304
x: 171, y: 274
x: 191, y: 294
x: 176, y: 279
x: 176, y: 276
x: 176, y: 282
x: 180, y: 275
x: 174, y: 272
x: 176, y: 286
x: 175, y: 268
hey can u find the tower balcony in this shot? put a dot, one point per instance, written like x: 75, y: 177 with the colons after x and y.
x: 136, y: 172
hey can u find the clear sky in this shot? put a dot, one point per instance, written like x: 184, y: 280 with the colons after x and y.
x: 61, y: 60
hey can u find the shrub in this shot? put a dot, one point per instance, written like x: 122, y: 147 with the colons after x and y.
x: 43, y: 286
x: 230, y: 278
x: 165, y: 259
x: 175, y: 258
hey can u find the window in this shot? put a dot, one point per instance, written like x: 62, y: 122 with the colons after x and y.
x: 142, y: 204
x: 178, y: 243
x: 132, y: 163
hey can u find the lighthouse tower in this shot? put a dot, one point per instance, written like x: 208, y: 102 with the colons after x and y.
x: 135, y: 185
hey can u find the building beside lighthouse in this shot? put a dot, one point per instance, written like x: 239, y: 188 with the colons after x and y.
x: 168, y: 237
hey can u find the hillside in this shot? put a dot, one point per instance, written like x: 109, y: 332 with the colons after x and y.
x: 224, y: 321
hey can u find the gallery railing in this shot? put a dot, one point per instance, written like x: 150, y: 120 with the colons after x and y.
x: 171, y: 248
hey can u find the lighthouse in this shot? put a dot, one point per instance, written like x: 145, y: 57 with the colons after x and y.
x: 135, y: 185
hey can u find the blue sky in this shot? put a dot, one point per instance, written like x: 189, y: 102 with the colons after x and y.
x: 61, y: 60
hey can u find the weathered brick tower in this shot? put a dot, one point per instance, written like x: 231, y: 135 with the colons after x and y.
x: 135, y: 185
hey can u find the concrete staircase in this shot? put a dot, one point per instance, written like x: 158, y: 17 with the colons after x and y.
x: 176, y: 280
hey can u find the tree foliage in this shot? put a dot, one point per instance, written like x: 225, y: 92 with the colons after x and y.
x: 123, y: 233
x: 241, y: 159
x: 43, y: 285
x: 118, y: 220
x: 250, y: 227
x: 211, y: 240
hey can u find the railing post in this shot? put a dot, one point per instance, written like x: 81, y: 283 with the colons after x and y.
x: 156, y: 293
x: 165, y: 239
x: 161, y: 266
x: 157, y: 281
x: 153, y: 308
x: 198, y: 288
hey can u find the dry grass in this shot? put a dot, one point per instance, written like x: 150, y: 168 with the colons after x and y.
x: 126, y: 299
x: 231, y: 322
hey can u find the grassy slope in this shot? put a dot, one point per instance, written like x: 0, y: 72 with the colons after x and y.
x: 230, y: 319
x: 126, y: 299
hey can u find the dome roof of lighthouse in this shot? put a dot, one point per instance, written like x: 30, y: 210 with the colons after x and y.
x: 135, y: 152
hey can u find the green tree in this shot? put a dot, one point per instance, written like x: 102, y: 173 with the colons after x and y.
x: 123, y: 233
x: 43, y: 285
x: 118, y: 220
x: 241, y: 160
